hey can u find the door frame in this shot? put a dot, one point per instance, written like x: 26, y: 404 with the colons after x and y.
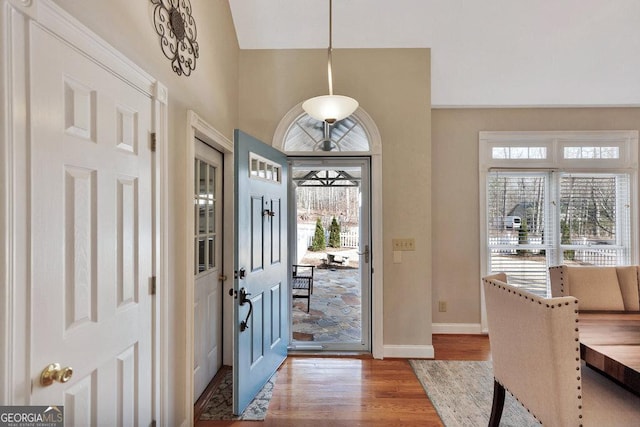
x: 375, y: 153
x: 333, y: 162
x: 16, y: 17
x: 198, y: 127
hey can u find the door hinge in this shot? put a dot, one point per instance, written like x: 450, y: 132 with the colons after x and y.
x: 153, y: 141
x: 152, y: 286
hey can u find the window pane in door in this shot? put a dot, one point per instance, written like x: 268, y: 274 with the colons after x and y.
x: 202, y: 220
x: 196, y: 216
x: 212, y: 182
x: 212, y: 252
x: 516, y: 228
x: 196, y: 178
x: 201, y: 255
x: 211, y: 225
x: 202, y: 181
x: 196, y: 258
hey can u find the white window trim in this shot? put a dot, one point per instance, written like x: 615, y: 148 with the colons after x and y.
x: 626, y: 140
x: 555, y: 141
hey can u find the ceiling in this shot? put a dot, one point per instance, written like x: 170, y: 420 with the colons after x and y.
x: 483, y: 52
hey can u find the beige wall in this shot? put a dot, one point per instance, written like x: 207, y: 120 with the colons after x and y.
x: 393, y: 86
x: 212, y: 88
x: 211, y: 91
x: 456, y: 229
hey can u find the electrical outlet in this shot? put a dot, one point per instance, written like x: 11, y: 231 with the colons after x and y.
x: 442, y: 306
x: 404, y: 244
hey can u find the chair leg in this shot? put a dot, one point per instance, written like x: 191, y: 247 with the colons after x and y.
x: 498, y: 404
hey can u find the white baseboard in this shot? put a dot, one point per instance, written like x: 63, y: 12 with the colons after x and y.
x: 409, y: 351
x: 456, y: 328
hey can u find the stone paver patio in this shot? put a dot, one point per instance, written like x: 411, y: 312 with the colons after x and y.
x: 335, y: 310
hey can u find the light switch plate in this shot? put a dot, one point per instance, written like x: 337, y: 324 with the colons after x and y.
x: 408, y: 244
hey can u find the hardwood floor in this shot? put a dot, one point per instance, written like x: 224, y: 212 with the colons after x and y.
x: 461, y: 347
x: 322, y: 391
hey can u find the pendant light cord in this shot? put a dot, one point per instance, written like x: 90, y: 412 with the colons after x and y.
x: 329, y: 71
x: 330, y: 108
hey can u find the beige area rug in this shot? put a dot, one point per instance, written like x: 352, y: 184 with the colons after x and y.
x: 220, y: 404
x: 462, y: 393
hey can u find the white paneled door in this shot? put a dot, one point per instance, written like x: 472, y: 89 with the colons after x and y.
x: 91, y: 237
x: 207, y: 305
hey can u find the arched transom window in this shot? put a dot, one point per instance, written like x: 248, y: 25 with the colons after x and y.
x: 308, y: 134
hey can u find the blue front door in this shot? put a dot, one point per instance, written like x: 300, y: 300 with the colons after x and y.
x: 261, y: 294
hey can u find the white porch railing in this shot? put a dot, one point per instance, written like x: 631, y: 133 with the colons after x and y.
x: 348, y: 239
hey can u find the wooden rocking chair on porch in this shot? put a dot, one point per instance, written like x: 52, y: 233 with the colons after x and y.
x: 302, y: 282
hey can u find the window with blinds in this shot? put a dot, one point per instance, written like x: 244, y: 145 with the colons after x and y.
x: 595, y: 219
x: 519, y: 230
x: 557, y: 208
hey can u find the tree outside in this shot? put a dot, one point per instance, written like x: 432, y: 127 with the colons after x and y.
x: 337, y: 210
x: 523, y: 236
x: 334, y: 233
x: 318, y: 243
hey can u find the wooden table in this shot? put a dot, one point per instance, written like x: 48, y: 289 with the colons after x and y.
x: 610, y: 342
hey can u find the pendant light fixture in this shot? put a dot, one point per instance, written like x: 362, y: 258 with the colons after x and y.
x: 330, y: 108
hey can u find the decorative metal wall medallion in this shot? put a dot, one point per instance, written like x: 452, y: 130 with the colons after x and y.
x: 177, y: 30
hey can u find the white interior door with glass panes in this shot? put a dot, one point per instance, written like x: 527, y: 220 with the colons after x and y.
x: 554, y: 198
x: 207, y: 304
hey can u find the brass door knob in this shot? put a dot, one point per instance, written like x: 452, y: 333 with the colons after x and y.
x: 54, y: 372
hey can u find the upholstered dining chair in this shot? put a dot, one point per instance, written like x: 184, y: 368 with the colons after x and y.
x: 535, y: 349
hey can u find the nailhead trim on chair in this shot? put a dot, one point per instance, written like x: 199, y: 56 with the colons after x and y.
x: 577, y: 339
x: 561, y: 277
